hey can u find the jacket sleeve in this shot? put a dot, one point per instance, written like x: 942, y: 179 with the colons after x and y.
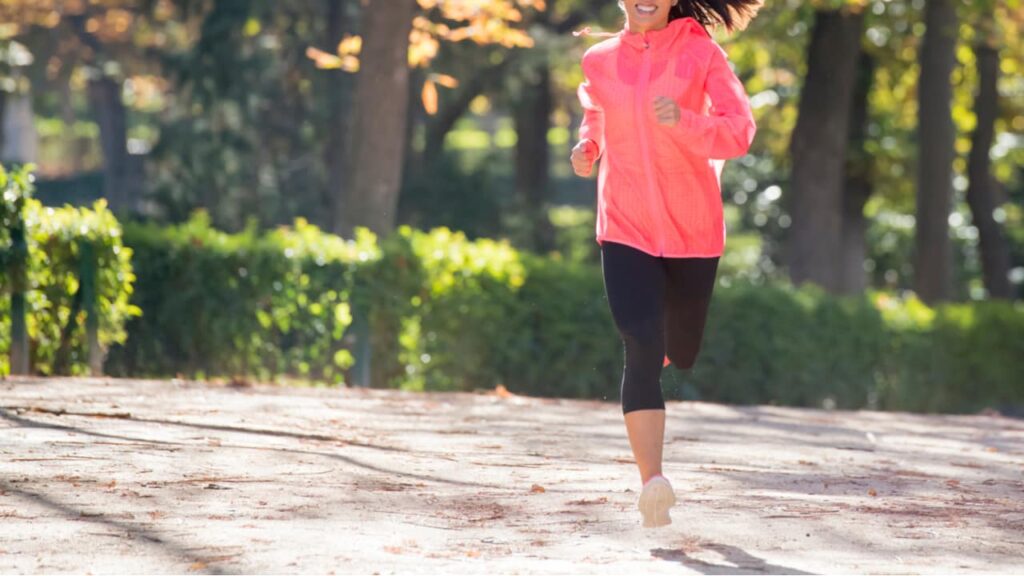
x: 592, y: 126
x: 728, y: 130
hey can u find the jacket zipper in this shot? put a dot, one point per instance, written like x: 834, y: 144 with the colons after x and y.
x: 642, y: 106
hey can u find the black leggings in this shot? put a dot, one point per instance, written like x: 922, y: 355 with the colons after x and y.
x: 659, y: 306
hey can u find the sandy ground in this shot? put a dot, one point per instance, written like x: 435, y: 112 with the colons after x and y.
x: 126, y: 476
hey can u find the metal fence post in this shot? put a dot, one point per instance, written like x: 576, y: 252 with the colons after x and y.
x: 19, y: 352
x: 363, y: 349
x: 87, y: 277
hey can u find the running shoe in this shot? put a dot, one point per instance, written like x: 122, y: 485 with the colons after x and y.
x: 655, y: 500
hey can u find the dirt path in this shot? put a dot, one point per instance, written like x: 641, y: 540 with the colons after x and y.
x: 118, y: 476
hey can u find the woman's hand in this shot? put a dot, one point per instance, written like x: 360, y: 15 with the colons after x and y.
x: 584, y: 154
x: 666, y: 110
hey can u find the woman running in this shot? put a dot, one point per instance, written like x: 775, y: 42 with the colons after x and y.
x: 661, y: 105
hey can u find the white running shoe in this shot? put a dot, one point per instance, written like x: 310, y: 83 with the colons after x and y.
x: 655, y: 500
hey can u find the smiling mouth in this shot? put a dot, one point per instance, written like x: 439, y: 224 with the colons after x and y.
x: 646, y: 9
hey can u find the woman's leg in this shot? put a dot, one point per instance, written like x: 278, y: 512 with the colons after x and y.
x: 634, y: 284
x: 646, y: 431
x: 688, y: 290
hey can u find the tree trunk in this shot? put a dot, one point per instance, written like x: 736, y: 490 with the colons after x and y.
x: 381, y: 106
x: 3, y: 103
x: 858, y: 186
x: 339, y: 101
x: 533, y: 181
x: 982, y: 192
x: 819, y: 143
x: 77, y: 147
x: 122, y: 181
x: 933, y: 254
x: 20, y: 143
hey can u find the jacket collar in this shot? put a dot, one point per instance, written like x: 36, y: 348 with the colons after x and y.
x: 665, y: 36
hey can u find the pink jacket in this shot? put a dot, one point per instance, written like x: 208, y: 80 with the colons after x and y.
x: 659, y: 186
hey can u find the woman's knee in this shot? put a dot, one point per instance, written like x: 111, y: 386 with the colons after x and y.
x: 647, y: 397
x: 642, y: 333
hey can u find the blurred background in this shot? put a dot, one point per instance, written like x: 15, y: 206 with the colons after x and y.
x: 378, y: 193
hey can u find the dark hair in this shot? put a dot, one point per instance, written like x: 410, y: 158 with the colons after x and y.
x: 733, y: 14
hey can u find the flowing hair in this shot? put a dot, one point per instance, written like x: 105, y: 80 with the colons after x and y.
x: 733, y: 14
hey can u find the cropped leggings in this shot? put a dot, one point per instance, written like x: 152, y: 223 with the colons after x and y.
x: 659, y: 306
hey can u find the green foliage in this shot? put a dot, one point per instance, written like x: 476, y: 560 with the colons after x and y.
x: 959, y: 357
x: 574, y: 234
x: 444, y: 194
x: 449, y: 313
x: 465, y: 314
x: 241, y: 304
x: 780, y: 345
x: 54, y: 238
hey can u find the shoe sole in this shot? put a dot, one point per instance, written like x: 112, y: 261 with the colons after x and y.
x: 655, y: 503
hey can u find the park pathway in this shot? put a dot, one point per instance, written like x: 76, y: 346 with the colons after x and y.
x: 103, y: 476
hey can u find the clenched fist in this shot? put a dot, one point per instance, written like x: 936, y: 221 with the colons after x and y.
x: 584, y: 154
x: 666, y: 110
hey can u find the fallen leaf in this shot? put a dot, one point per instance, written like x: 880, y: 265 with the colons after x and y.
x: 537, y: 489
x: 584, y: 501
x: 501, y: 392
x: 872, y: 492
x: 197, y: 565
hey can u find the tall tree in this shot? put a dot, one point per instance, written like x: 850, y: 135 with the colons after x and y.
x: 380, y: 108
x: 933, y: 249
x: 380, y: 112
x: 858, y: 184
x: 98, y: 29
x: 18, y: 138
x: 818, y: 147
x: 339, y: 102
x: 983, y: 190
x: 532, y: 116
x: 533, y: 156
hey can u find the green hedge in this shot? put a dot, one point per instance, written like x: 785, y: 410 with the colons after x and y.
x: 448, y: 313
x: 55, y: 238
x: 490, y: 315
x: 238, y: 305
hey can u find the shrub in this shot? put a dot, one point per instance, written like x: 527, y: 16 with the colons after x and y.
x: 56, y: 239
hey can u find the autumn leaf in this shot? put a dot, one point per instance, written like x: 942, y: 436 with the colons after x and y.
x: 430, y: 97
x: 480, y: 21
x: 323, y: 60
x: 537, y: 489
x: 445, y: 80
x: 351, y: 45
